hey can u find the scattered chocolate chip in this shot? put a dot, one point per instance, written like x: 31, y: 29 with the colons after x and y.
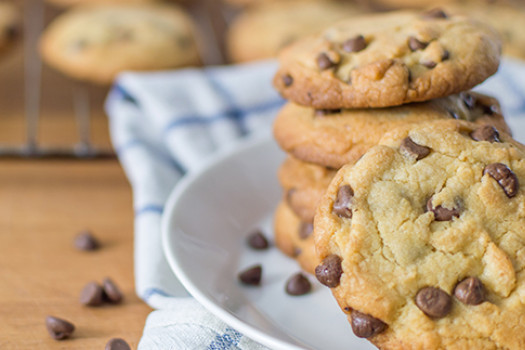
x: 470, y: 291
x: 445, y: 56
x: 257, y: 241
x: 429, y: 64
x: 366, y: 326
x: 442, y: 213
x: 117, y: 344
x: 343, y: 201
x: 287, y: 80
x: 434, y: 302
x: 485, y: 133
x: 305, y: 230
x: 298, y: 284
x: 505, y: 178
x: 86, y: 241
x: 59, y: 328
x: 434, y: 13
x: 92, y: 295
x: 468, y: 99
x: 251, y: 276
x: 329, y: 271
x: 111, y: 292
x: 355, y: 44
x: 323, y: 112
x: 324, y: 62
x: 413, y: 149
x: 415, y: 44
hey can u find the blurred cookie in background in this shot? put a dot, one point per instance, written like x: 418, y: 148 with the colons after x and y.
x: 506, y: 17
x: 95, y: 43
x: 262, y: 30
x: 10, y: 25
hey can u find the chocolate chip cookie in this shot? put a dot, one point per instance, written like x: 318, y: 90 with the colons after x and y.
x: 294, y: 237
x: 333, y: 138
x: 304, y: 185
x: 261, y: 31
x: 388, y: 59
x: 95, y: 43
x: 67, y: 3
x: 422, y: 241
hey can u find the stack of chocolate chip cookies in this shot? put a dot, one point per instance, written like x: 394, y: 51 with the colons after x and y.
x: 414, y: 181
x: 360, y: 79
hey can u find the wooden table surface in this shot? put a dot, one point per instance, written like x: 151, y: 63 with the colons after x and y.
x: 43, y: 205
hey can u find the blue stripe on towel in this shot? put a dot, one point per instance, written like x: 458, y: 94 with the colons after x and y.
x: 149, y: 208
x: 154, y: 291
x: 121, y: 149
x: 226, y: 341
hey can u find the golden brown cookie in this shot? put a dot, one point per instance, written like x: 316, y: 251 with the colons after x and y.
x: 304, y: 185
x: 388, y: 59
x: 262, y: 30
x: 68, y: 3
x: 294, y: 238
x: 95, y: 43
x: 333, y: 138
x: 422, y: 241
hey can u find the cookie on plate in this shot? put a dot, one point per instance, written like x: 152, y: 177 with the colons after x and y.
x: 10, y: 25
x: 505, y: 17
x: 332, y: 138
x: 261, y: 31
x: 423, y: 242
x: 95, y: 43
x: 294, y: 237
x: 304, y: 185
x: 388, y: 59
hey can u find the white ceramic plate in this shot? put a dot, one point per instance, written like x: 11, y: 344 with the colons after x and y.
x: 205, y: 225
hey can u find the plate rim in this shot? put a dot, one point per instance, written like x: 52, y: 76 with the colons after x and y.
x: 233, y: 150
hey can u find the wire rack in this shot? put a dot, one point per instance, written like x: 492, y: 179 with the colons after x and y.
x: 210, y: 17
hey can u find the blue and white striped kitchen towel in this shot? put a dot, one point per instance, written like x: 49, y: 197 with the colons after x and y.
x: 163, y: 125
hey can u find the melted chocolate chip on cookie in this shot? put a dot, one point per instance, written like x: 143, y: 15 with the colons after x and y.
x: 329, y: 271
x: 485, y: 133
x: 470, y: 291
x: 305, y: 230
x: 434, y: 13
x: 366, y: 326
x: 413, y: 149
x: 414, y: 44
x: 343, y: 201
x: 505, y: 178
x: 287, y: 80
x: 355, y: 44
x: 442, y: 213
x: 434, y: 302
x: 324, y: 62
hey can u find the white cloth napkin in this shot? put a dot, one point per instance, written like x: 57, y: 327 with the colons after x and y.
x: 162, y: 126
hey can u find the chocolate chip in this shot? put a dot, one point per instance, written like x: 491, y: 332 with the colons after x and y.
x: 366, y: 326
x: 343, y: 201
x: 323, y: 112
x: 413, y: 149
x: 470, y: 291
x: 117, y: 344
x: 258, y: 241
x: 59, y: 328
x: 86, y: 241
x: 434, y: 302
x: 485, y: 133
x: 92, y: 295
x: 329, y: 271
x: 468, y: 99
x: 287, y: 80
x: 505, y: 178
x: 251, y: 276
x: 355, y: 44
x: 298, y: 284
x: 429, y: 64
x: 434, y: 13
x: 296, y: 252
x: 445, y: 56
x: 442, y: 213
x: 324, y: 62
x: 415, y: 44
x: 111, y: 292
x: 305, y: 230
